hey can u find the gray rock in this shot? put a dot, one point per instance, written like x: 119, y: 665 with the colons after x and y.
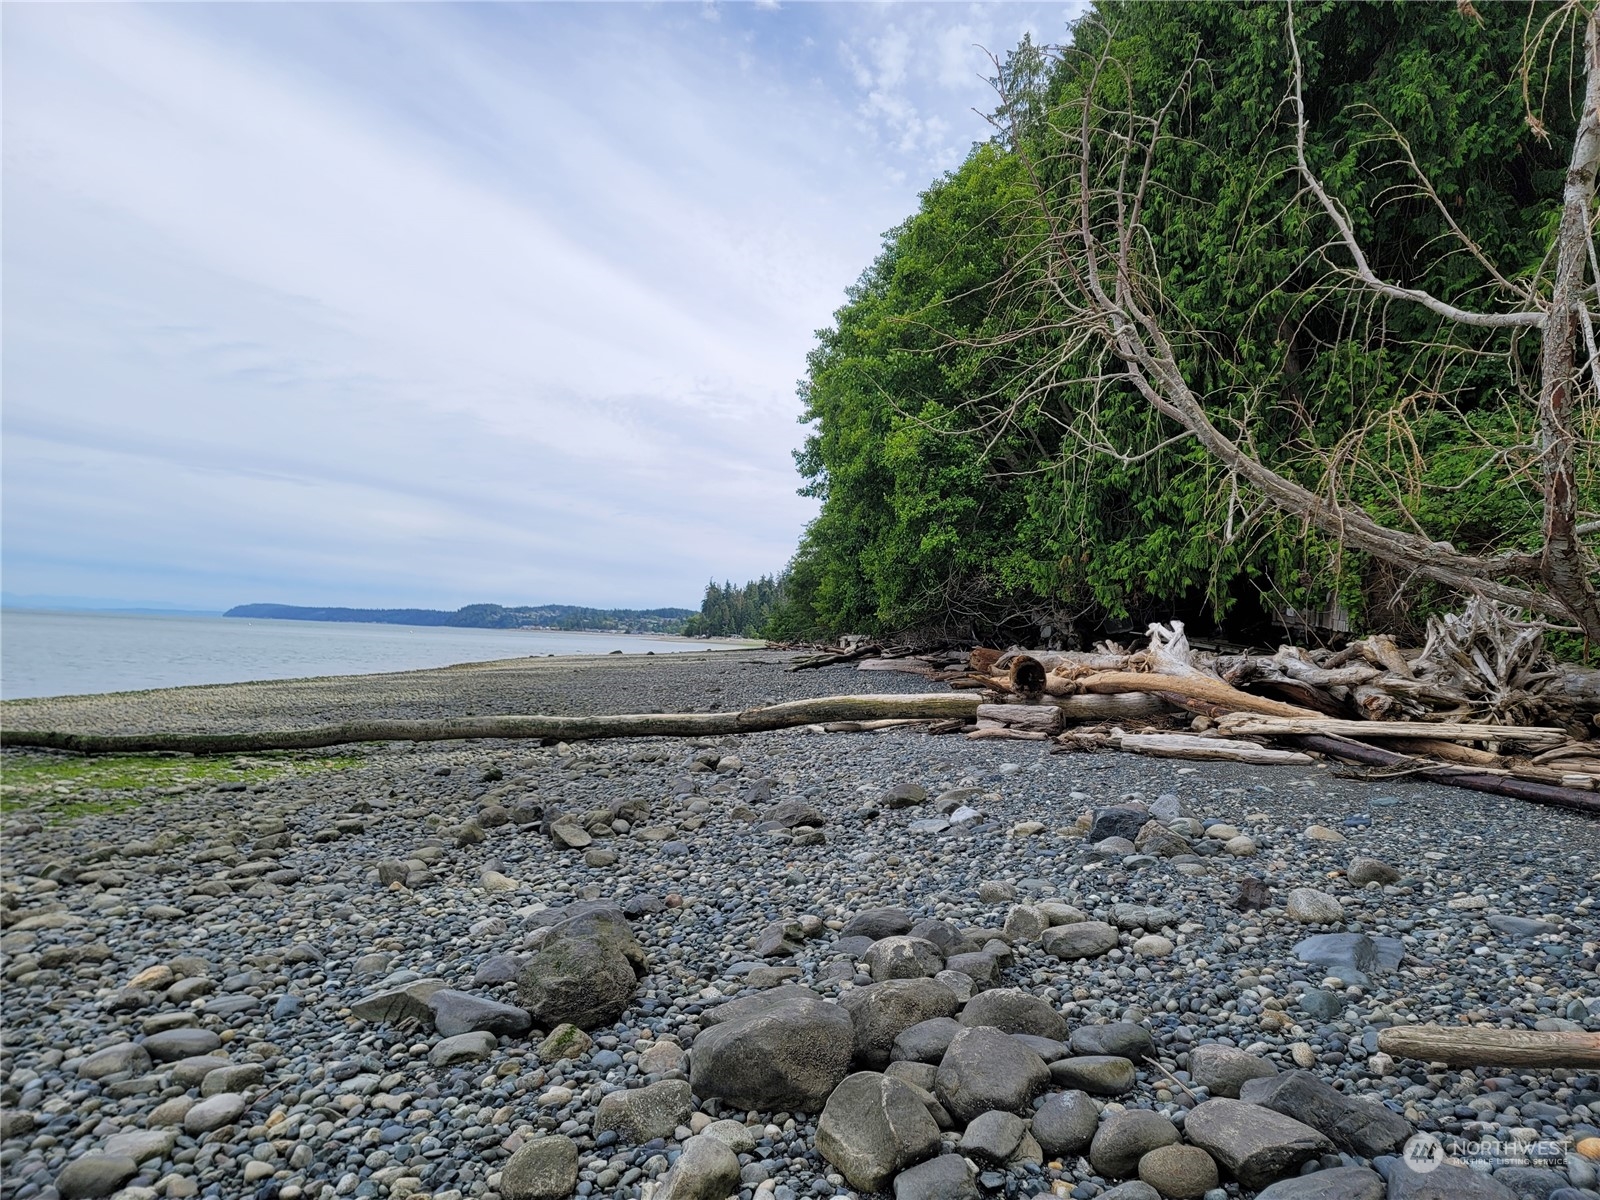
x: 788, y: 1056
x: 214, y: 1113
x: 544, y: 1169
x: 736, y: 1135
x: 1530, y: 1183
x: 1134, y: 1189
x: 1223, y: 1070
x: 881, y: 1012
x: 986, y: 1070
x: 461, y: 1012
x: 128, y: 1058
x: 1013, y: 1010
x: 1313, y: 907
x: 565, y: 1042
x: 706, y: 1170
x: 1445, y: 1182
x: 1126, y: 1137
x: 1519, y: 927
x: 1255, y: 1143
x: 190, y: 1071
x: 1142, y: 916
x: 918, y: 1074
x: 1047, y: 1049
x: 1321, y: 1003
x: 1363, y: 871
x: 462, y: 1048
x: 780, y: 939
x: 873, y: 1127
x: 406, y: 1005
x: 877, y: 923
x: 141, y: 1144
x: 1340, y: 1183
x: 1097, y: 1074
x: 1085, y: 939
x: 583, y: 973
x: 993, y: 1137
x: 925, y: 1042
x: 641, y: 1114
x: 1351, y: 957
x: 1125, y: 1039
x: 947, y: 1177
x: 792, y: 812
x: 1119, y: 822
x: 1358, y: 1127
x: 904, y: 795
x: 1065, y: 1124
x: 15, y: 1123
x: 94, y: 1175
x: 903, y: 957
x: 1024, y: 923
x: 1181, y: 1172
x: 232, y: 1078
x: 172, y: 1044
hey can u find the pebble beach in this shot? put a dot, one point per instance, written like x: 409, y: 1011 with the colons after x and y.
x: 775, y: 966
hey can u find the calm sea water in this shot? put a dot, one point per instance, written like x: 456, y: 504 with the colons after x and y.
x: 78, y: 653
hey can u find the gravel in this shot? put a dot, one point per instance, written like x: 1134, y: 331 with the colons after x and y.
x: 250, y: 923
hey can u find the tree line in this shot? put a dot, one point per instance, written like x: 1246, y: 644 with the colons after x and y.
x: 1337, y: 240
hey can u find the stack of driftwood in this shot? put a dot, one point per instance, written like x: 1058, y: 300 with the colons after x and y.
x: 1482, y: 704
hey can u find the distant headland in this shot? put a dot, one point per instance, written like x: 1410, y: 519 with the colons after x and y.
x: 487, y: 616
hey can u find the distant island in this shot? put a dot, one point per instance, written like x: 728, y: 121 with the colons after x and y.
x: 487, y: 616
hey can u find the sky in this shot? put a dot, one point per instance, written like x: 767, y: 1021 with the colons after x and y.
x: 395, y: 304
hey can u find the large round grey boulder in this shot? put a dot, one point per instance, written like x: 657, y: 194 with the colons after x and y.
x: 947, y: 1177
x: 583, y: 973
x: 94, y: 1175
x: 1082, y: 939
x: 903, y: 957
x: 1126, y: 1137
x: 883, y: 1011
x: 545, y: 1169
x: 1223, y: 1070
x: 640, y: 1114
x: 926, y: 1041
x: 1013, y: 1010
x: 787, y: 1057
x: 1255, y: 1143
x: 1065, y: 1124
x: 986, y: 1070
x: 873, y: 1127
x: 706, y: 1170
x: 877, y: 923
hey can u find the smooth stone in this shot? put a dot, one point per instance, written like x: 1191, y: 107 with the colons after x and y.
x: 1445, y: 1182
x: 873, y: 1127
x: 1097, y: 1074
x: 544, y: 1169
x: 1223, y: 1070
x: 643, y: 1114
x: 1363, y: 871
x: 462, y: 1048
x: 128, y: 1058
x: 1065, y: 1124
x: 565, y: 1042
x: 1355, y: 1126
x: 1351, y: 957
x: 787, y: 1057
x: 91, y: 1176
x: 706, y: 1170
x: 947, y: 1177
x: 993, y: 1137
x: 1256, y: 1144
x: 141, y: 1144
x: 1013, y: 1010
x: 214, y: 1113
x: 925, y: 1042
x: 1124, y: 1039
x: 1179, y: 1172
x: 461, y: 1012
x: 876, y: 923
x: 1339, y: 1183
x: 173, y: 1044
x: 1312, y: 907
x: 1125, y: 1137
x: 984, y: 1070
x: 1084, y: 939
x: 881, y: 1012
x: 903, y: 957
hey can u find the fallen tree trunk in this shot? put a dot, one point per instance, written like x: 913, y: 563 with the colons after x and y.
x: 1468, y: 1047
x: 1191, y: 746
x: 1183, y: 690
x: 819, y: 711
x: 1477, y: 781
x: 1530, y: 735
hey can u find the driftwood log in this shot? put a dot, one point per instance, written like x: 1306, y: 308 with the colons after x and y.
x: 1192, y: 746
x: 818, y: 711
x: 1469, y: 1047
x: 1246, y: 724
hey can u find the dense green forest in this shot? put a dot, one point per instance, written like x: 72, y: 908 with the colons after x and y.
x: 983, y: 475
x: 486, y: 616
x: 729, y: 611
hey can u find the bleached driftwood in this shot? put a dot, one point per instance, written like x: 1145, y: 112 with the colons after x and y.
x: 1032, y: 718
x: 1193, y: 746
x: 1247, y: 724
x: 1490, y: 1047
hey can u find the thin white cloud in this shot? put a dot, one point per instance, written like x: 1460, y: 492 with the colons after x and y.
x: 435, y: 303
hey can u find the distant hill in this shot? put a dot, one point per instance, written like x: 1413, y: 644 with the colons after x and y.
x: 486, y: 616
